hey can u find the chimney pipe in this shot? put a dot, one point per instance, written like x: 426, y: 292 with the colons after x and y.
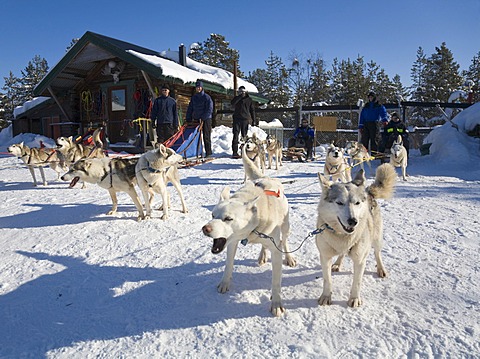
x: 182, y: 55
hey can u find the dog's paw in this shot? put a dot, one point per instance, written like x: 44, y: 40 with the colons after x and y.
x: 290, y: 261
x: 381, y: 272
x: 164, y: 217
x: 140, y: 218
x: 325, y: 299
x: 262, y: 257
x: 354, y: 302
x: 335, y: 268
x: 223, y: 287
x: 109, y: 213
x: 277, y: 309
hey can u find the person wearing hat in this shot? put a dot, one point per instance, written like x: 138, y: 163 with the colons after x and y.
x: 200, y: 109
x: 164, y: 115
x: 371, y: 115
x: 394, y: 128
x: 244, y: 112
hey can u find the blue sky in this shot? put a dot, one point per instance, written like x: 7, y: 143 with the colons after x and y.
x: 387, y: 32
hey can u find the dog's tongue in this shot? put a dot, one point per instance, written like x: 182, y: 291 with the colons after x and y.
x: 218, y: 245
x: 74, y: 182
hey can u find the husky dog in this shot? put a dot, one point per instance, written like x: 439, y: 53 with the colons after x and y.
x: 113, y: 174
x: 256, y: 213
x: 39, y: 158
x: 399, y: 156
x: 154, y: 170
x: 274, y: 148
x: 358, y: 154
x: 350, y: 223
x: 255, y: 152
x: 336, y: 165
x: 73, y: 151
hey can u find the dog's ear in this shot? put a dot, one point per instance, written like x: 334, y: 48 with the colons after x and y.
x: 359, y: 179
x: 225, y: 194
x: 162, y: 149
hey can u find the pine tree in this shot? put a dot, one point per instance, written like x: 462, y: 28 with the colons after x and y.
x: 32, y: 75
x: 319, y: 89
x: 277, y: 80
x: 13, y: 93
x: 472, y: 77
x: 418, y: 89
x: 442, y: 74
x: 216, y: 51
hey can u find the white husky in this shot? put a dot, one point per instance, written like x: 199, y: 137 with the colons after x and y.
x: 399, y: 156
x: 256, y: 213
x: 336, y: 164
x: 350, y: 223
x: 115, y: 175
x: 154, y: 170
x: 39, y: 158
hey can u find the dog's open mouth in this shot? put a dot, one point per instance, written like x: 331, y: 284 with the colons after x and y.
x: 74, y: 182
x: 218, y: 245
x: 346, y: 229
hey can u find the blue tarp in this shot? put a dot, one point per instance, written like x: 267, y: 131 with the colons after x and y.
x: 189, y: 144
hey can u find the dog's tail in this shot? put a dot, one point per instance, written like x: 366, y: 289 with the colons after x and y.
x: 251, y: 170
x: 383, y: 186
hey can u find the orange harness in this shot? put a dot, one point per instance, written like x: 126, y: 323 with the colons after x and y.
x: 272, y: 193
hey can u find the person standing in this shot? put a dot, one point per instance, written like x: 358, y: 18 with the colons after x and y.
x: 371, y: 115
x: 164, y: 115
x: 244, y: 112
x: 200, y: 109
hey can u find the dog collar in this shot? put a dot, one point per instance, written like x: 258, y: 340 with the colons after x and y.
x: 322, y: 228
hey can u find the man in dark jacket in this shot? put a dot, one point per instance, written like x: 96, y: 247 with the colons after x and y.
x: 200, y: 109
x: 371, y: 114
x: 243, y: 114
x: 394, y: 128
x: 164, y: 115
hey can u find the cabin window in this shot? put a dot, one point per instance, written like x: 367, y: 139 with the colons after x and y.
x: 118, y: 100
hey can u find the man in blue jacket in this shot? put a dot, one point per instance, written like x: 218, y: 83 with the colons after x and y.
x: 164, y: 115
x: 371, y: 115
x: 200, y: 109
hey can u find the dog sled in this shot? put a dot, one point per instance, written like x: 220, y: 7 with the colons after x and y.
x: 188, y: 142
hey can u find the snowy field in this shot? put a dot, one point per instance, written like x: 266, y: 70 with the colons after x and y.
x: 76, y: 283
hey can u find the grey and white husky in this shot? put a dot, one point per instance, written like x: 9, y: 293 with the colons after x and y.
x: 398, y: 157
x: 155, y: 169
x: 38, y: 158
x: 274, y: 149
x: 358, y: 154
x: 113, y: 174
x: 73, y: 151
x: 350, y: 223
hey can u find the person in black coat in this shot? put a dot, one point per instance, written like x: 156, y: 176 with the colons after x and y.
x: 164, y: 115
x: 394, y: 128
x: 243, y: 115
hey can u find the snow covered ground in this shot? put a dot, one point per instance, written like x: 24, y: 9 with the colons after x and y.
x: 76, y: 283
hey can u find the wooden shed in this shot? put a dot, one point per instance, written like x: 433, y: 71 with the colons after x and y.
x: 102, y: 81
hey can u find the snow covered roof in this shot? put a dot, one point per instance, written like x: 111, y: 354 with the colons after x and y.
x: 93, y: 50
